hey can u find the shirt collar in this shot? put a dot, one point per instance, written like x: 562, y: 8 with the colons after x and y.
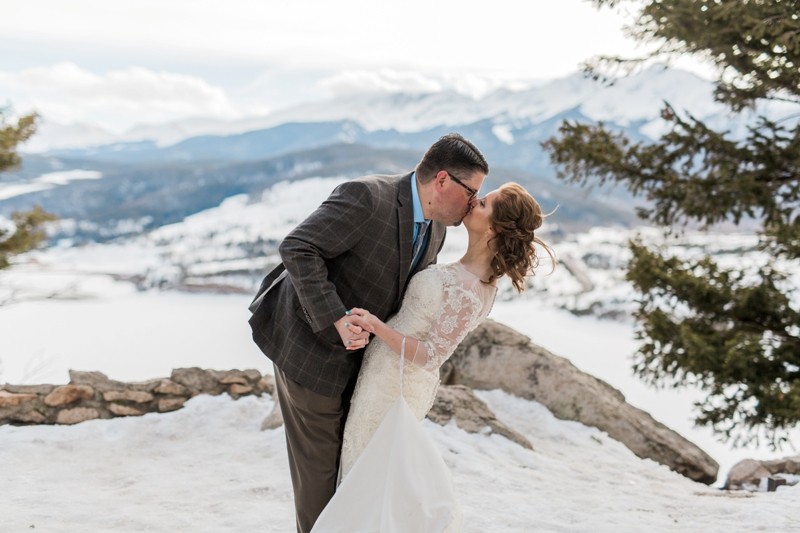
x: 418, y: 215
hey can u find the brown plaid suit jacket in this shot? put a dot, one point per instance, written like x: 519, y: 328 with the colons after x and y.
x: 353, y: 251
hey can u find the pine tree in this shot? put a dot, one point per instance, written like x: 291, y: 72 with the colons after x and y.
x: 732, y: 332
x: 28, y: 225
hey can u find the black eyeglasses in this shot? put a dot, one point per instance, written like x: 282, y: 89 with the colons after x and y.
x: 472, y: 192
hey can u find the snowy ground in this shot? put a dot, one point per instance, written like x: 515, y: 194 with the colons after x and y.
x: 208, y: 468
x: 131, y: 335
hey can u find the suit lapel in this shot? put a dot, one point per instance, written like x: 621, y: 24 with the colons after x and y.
x: 405, y: 227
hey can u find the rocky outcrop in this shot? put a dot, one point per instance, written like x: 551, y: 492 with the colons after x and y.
x: 753, y: 475
x: 91, y: 395
x: 452, y: 403
x: 497, y: 357
x: 459, y: 403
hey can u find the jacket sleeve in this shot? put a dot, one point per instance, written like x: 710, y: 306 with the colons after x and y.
x: 335, y: 227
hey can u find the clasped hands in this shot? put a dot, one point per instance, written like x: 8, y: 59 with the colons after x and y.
x: 355, y: 327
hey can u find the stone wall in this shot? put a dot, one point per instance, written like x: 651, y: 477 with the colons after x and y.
x: 90, y: 395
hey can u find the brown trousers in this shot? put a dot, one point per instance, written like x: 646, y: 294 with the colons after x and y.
x: 314, y: 425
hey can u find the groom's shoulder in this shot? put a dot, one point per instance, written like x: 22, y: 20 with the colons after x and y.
x: 383, y: 185
x: 381, y: 181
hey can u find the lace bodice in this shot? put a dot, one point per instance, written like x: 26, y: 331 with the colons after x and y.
x: 442, y: 304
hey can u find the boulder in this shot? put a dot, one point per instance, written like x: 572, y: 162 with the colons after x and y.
x: 495, y: 356
x: 752, y: 475
x: 470, y: 414
x: 274, y: 419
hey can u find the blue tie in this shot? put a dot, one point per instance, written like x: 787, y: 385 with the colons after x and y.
x: 416, y: 251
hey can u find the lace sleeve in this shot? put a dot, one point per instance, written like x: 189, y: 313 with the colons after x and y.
x: 460, y: 311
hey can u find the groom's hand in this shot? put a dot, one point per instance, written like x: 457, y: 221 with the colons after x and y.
x: 353, y: 336
x: 364, y: 319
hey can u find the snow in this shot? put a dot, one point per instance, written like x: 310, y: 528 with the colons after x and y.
x: 208, y: 467
x: 126, y: 334
x: 46, y: 181
x: 503, y: 132
x: 101, y: 324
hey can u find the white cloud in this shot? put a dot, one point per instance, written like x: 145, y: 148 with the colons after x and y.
x: 545, y: 38
x: 386, y: 80
x: 115, y: 66
x: 65, y: 93
x: 381, y: 81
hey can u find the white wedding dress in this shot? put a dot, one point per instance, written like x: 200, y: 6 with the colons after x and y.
x: 442, y: 304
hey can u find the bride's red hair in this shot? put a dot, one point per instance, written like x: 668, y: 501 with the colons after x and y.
x: 515, y: 216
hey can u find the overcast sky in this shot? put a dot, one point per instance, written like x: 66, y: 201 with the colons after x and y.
x: 120, y: 63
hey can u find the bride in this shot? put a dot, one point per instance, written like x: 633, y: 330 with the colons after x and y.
x: 442, y: 305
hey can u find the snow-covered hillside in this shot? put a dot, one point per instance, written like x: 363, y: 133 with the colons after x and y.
x: 228, y: 248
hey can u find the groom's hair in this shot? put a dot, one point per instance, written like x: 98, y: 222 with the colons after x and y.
x: 453, y: 153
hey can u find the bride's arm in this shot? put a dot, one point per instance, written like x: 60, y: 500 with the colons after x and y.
x: 416, y: 351
x: 457, y: 315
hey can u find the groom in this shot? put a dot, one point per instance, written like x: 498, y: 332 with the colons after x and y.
x: 359, y: 248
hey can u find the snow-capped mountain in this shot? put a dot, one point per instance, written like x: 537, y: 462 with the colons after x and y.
x: 630, y: 100
x: 633, y: 100
x: 150, y: 183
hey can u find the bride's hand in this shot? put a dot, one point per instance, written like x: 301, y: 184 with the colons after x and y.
x: 363, y: 318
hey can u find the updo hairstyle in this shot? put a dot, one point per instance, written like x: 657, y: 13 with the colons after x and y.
x: 515, y: 216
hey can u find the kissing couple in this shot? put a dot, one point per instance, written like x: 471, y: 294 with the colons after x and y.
x: 359, y: 306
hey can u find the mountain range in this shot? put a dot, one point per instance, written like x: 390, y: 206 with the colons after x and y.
x: 631, y: 100
x: 158, y: 174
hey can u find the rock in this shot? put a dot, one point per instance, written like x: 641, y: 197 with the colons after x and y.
x: 749, y: 474
x: 787, y: 465
x: 97, y: 380
x: 93, y: 395
x: 470, y: 413
x: 746, y: 474
x: 170, y: 404
x: 76, y: 415
x: 237, y: 390
x: 124, y: 410
x: 31, y: 416
x: 67, y: 394
x: 134, y: 396
x: 232, y: 377
x: 29, y: 389
x: 196, y: 380
x: 274, y: 419
x: 13, y: 399
x: 266, y: 384
x: 146, y: 386
x: 167, y: 386
x: 252, y: 375
x: 497, y: 357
